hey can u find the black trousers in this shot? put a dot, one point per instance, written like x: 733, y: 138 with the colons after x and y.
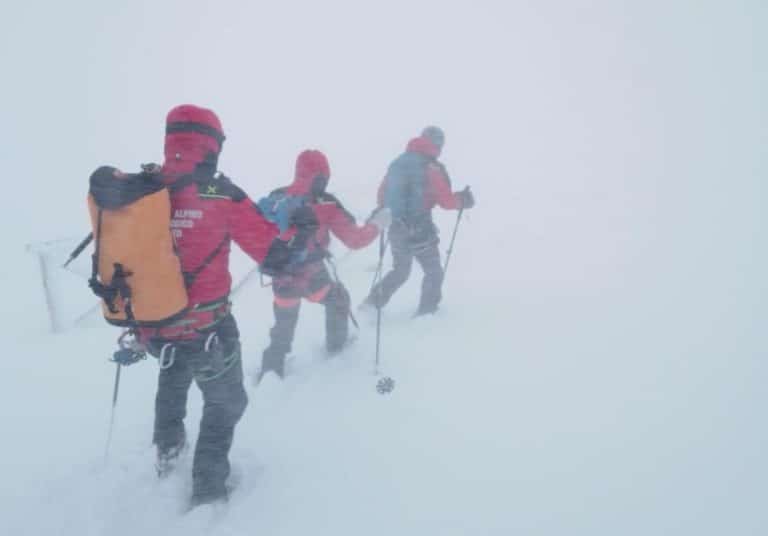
x: 218, y: 373
x: 288, y: 295
x: 407, y: 246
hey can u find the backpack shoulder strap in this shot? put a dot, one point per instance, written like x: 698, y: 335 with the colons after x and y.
x: 190, y: 277
x: 93, y: 281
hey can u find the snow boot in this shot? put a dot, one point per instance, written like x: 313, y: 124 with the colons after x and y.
x: 168, y: 459
x: 199, y: 499
x: 272, y: 361
x: 424, y: 310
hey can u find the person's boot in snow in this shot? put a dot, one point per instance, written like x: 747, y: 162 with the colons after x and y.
x: 168, y: 458
x: 272, y: 361
x: 425, y: 310
x: 281, y: 339
x: 200, y: 499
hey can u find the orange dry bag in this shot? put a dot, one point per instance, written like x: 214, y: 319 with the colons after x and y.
x: 135, y: 269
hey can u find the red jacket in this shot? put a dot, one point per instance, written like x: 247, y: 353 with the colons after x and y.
x: 207, y: 215
x: 209, y: 211
x: 438, y: 188
x: 312, y: 171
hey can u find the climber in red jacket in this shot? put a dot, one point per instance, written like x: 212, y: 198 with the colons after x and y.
x: 306, y: 213
x: 208, y: 212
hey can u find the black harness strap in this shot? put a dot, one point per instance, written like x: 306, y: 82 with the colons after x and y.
x: 120, y: 284
x: 181, y: 183
x: 97, y: 248
x: 190, y: 277
x: 101, y: 290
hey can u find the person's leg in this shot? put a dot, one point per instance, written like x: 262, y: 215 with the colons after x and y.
x: 321, y: 288
x: 402, y: 261
x: 337, y: 305
x: 431, y: 285
x: 281, y: 336
x: 219, y: 375
x: 170, y: 410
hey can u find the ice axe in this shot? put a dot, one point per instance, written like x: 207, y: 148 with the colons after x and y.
x: 79, y: 249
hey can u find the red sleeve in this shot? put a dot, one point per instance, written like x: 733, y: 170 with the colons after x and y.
x: 441, y: 189
x: 343, y: 225
x: 250, y: 229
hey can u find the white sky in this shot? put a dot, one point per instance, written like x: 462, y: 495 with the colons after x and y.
x: 623, y: 134
x: 617, y: 150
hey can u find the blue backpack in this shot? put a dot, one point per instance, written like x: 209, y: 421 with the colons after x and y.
x: 405, y: 185
x: 278, y: 208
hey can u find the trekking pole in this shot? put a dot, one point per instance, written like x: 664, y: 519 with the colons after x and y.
x: 253, y: 272
x: 79, y: 249
x: 335, y: 273
x: 385, y: 384
x: 383, y: 243
x: 131, y: 351
x: 453, y: 238
x: 377, y: 280
x: 112, y: 416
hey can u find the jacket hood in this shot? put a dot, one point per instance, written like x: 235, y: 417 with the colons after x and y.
x: 310, y: 165
x: 423, y: 146
x: 193, y: 135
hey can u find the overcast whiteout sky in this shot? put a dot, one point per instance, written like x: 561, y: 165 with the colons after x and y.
x: 644, y: 121
x: 617, y: 149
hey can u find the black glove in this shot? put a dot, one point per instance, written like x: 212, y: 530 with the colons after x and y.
x: 282, y: 254
x: 132, y: 349
x: 151, y: 168
x: 128, y: 356
x: 466, y: 198
x: 277, y: 259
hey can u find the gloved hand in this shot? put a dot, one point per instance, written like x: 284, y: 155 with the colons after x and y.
x: 151, y: 168
x: 381, y: 218
x: 466, y: 198
x: 132, y: 349
x: 128, y: 356
x: 277, y: 259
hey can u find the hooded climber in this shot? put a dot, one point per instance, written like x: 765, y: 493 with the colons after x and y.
x: 208, y: 212
x: 415, y: 183
x: 307, y: 215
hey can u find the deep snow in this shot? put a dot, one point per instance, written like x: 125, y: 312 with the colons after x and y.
x: 598, y: 366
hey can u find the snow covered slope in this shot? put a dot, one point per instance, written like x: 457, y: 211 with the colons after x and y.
x: 598, y: 366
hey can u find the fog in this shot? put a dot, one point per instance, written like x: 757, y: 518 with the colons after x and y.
x: 613, y: 273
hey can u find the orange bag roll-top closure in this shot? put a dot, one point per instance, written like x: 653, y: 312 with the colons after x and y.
x: 135, y: 232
